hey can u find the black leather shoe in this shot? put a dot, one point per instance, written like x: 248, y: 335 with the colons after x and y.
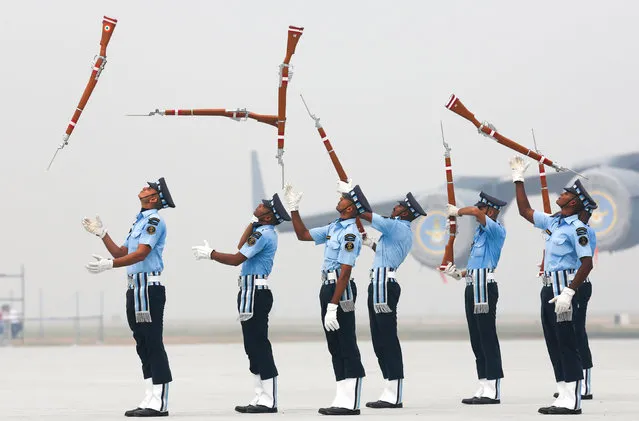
x: 131, y: 412
x: 333, y: 410
x: 148, y: 412
x: 480, y: 401
x: 560, y: 410
x: 544, y: 409
x: 260, y: 409
x: 384, y: 404
x: 242, y: 408
x: 583, y: 397
x: 486, y: 401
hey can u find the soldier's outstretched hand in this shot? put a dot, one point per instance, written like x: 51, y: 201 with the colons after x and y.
x: 344, y: 187
x: 292, y: 197
x: 518, y: 166
x: 202, y: 252
x: 94, y: 226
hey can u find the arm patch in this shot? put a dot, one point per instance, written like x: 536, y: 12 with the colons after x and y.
x: 253, y: 238
x: 583, y: 240
x: 350, y: 237
x: 582, y: 231
x: 154, y: 221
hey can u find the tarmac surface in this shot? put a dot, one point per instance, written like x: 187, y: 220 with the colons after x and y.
x: 101, y: 382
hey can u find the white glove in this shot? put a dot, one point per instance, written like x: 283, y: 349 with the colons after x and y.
x: 330, y: 320
x: 344, y: 187
x: 452, y: 271
x: 518, y: 167
x: 94, y: 226
x: 100, y: 265
x: 563, y: 300
x: 452, y: 210
x: 254, y: 219
x: 369, y: 241
x: 202, y: 252
x: 292, y: 197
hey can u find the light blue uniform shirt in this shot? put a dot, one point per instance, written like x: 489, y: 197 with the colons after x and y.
x: 566, y: 243
x: 394, y: 244
x: 150, y: 229
x: 259, y: 249
x: 343, y: 243
x: 487, y: 244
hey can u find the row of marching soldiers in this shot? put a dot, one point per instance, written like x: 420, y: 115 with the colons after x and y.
x: 566, y: 289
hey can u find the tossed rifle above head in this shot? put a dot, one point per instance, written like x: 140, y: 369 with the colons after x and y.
x: 241, y: 114
x: 488, y: 130
x: 108, y: 25
x: 334, y: 159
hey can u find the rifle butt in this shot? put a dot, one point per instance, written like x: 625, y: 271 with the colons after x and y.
x: 108, y: 25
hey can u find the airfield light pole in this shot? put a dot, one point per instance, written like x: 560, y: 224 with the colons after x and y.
x: 20, y: 299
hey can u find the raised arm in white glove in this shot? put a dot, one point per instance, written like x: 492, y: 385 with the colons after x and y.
x: 202, y: 252
x: 344, y: 187
x: 563, y: 300
x: 100, y: 265
x: 330, y: 320
x: 452, y: 210
x: 452, y: 271
x: 292, y: 197
x: 518, y: 167
x: 94, y: 226
x: 369, y: 241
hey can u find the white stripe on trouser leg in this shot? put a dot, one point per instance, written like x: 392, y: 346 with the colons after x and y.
x: 348, y: 393
x: 586, y: 386
x: 268, y: 397
x: 148, y: 393
x: 392, y: 392
x: 160, y: 397
x: 257, y: 386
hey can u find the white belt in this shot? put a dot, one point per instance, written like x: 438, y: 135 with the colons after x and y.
x: 389, y: 274
x: 490, y: 278
x: 260, y: 281
x: 331, y: 276
x: 152, y: 280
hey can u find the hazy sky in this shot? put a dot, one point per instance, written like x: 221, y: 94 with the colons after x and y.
x: 378, y: 73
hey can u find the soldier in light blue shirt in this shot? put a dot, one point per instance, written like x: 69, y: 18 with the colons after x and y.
x: 482, y: 295
x: 141, y: 253
x: 567, y: 264
x: 384, y: 291
x: 257, y: 247
x: 338, y: 293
